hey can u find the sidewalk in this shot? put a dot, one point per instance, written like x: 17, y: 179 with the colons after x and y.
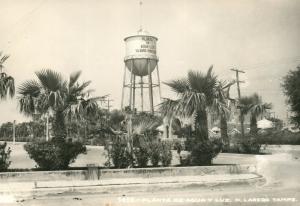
x: 42, y: 188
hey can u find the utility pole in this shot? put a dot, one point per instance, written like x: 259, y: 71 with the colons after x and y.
x: 106, y: 100
x: 108, y: 104
x: 239, y: 97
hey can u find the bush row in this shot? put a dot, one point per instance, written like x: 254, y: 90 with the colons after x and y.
x: 280, y: 138
x: 143, y: 151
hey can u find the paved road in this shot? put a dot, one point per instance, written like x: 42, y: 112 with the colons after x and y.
x: 250, y: 196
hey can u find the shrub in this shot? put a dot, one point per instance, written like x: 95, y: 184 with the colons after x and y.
x: 155, y: 148
x: 185, y: 159
x: 166, y: 154
x: 141, y: 150
x: 203, y: 151
x: 4, y: 157
x: 249, y: 144
x: 119, y: 153
x: 54, y: 155
x: 142, y: 156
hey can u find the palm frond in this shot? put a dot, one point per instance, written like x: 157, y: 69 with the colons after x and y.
x: 78, y: 90
x: 253, y: 104
x: 10, y: 85
x: 50, y: 80
x: 27, y: 105
x: 74, y: 78
x: 220, y: 108
x: 7, y: 86
x: 259, y: 109
x: 197, y: 80
x: 202, y: 83
x: 192, y: 102
x: 29, y: 87
x: 209, y: 71
x: 3, y: 58
x: 91, y: 106
x: 56, y: 99
x: 169, y: 107
x: 178, y: 85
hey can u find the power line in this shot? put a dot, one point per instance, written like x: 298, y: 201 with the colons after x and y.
x: 263, y: 65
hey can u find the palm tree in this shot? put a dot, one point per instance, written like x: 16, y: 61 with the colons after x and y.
x: 7, y: 85
x: 254, y: 106
x: 50, y: 93
x: 197, y: 94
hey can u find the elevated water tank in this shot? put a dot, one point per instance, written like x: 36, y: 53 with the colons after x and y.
x: 141, y: 53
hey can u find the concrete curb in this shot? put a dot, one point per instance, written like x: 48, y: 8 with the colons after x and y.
x: 34, y: 190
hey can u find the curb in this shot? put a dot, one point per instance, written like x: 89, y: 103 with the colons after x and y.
x: 130, y: 188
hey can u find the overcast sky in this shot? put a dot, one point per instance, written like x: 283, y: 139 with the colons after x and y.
x: 260, y: 37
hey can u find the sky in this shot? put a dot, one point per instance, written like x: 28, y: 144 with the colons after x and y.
x: 260, y: 37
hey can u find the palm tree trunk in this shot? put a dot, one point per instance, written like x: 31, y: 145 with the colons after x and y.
x: 201, y: 125
x: 253, y: 125
x: 59, y: 127
x: 224, y: 132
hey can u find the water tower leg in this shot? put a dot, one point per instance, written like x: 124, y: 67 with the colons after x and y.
x: 123, y: 89
x: 142, y: 94
x: 150, y: 88
x: 131, y: 80
x: 158, y: 79
x: 133, y: 94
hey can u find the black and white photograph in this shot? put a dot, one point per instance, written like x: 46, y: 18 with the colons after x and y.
x: 149, y: 102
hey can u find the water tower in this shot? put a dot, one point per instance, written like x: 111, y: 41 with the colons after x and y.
x: 139, y: 79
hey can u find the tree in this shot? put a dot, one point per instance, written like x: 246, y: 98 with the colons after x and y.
x: 65, y: 100
x: 197, y: 94
x: 50, y: 93
x: 7, y: 84
x: 254, y: 106
x: 291, y: 88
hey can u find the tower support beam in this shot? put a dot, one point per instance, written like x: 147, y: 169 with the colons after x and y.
x: 131, y: 92
x: 123, y: 89
x: 142, y: 94
x: 150, y: 87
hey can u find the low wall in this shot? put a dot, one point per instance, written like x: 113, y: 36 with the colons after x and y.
x: 43, y: 176
x: 96, y: 173
x: 176, y: 171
